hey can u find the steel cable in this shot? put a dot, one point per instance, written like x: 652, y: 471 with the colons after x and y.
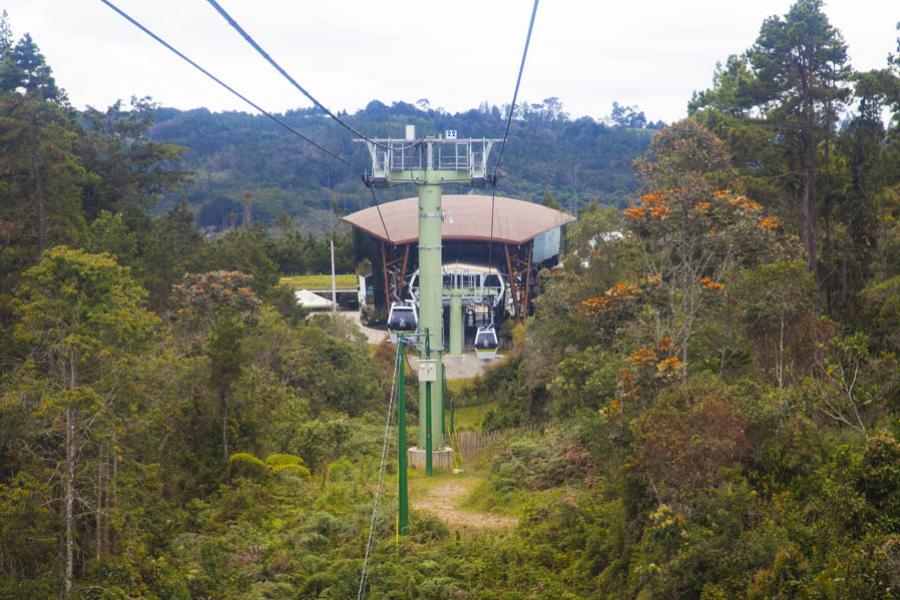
x: 509, y: 117
x: 380, y: 481
x: 246, y: 100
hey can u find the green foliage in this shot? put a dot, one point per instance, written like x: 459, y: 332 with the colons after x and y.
x: 586, y: 380
x: 287, y: 464
x: 125, y: 168
x: 80, y: 307
x: 779, y: 106
x: 767, y: 467
x: 285, y: 176
x: 39, y: 198
x: 775, y: 302
x: 883, y: 305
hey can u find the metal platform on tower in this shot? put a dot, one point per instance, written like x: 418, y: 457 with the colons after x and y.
x: 396, y: 161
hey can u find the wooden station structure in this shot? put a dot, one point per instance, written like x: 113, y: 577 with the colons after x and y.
x: 526, y: 237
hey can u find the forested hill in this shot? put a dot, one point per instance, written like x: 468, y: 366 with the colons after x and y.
x: 240, y: 159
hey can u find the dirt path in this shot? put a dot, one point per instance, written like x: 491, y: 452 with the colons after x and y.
x: 444, y: 500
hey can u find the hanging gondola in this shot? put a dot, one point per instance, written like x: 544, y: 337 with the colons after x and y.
x: 403, y: 318
x: 486, y: 343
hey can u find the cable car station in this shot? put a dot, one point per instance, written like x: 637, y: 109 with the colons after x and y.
x: 476, y: 259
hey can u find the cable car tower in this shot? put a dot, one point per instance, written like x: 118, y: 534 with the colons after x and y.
x: 428, y: 163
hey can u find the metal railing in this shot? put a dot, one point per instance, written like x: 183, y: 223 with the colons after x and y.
x: 446, y: 154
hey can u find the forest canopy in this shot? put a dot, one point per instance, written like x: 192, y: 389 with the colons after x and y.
x: 237, y: 157
x: 705, y: 402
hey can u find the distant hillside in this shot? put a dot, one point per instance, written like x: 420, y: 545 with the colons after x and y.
x: 247, y: 165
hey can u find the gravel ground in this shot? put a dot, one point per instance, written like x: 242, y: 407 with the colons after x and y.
x: 458, y: 367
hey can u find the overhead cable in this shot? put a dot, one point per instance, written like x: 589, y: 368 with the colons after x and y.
x: 243, y: 33
x: 246, y: 100
x: 512, y: 107
x: 509, y: 117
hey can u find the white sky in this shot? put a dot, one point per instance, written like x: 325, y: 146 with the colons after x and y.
x: 456, y: 53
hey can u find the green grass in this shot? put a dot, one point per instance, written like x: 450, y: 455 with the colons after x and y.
x: 318, y: 282
x: 457, y: 386
x: 469, y: 418
x: 420, y: 482
x: 485, y: 497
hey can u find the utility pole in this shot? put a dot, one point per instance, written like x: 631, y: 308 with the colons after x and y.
x: 333, y: 276
x: 429, y: 163
x: 574, y: 209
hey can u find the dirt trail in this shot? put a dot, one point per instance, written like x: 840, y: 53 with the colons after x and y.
x: 444, y: 500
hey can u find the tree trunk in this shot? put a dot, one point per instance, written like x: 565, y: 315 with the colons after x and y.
x: 37, y: 191
x: 779, y: 367
x: 111, y: 493
x: 808, y: 208
x: 70, y: 500
x: 98, y: 514
x: 71, y: 458
x: 807, y: 160
x: 223, y: 409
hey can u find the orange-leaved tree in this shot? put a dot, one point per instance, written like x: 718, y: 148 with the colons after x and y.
x: 694, y: 231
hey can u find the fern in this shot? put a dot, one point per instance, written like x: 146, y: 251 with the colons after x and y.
x: 246, y: 458
x: 277, y: 460
x: 295, y: 469
x: 274, y: 463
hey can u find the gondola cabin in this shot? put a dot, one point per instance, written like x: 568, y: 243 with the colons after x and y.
x: 486, y: 343
x: 403, y: 318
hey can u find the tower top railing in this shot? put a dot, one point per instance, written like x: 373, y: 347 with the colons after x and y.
x: 391, y: 158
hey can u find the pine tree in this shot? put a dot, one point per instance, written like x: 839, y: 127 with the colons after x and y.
x: 32, y: 74
x: 801, y: 67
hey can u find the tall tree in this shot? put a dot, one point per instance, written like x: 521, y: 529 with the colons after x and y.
x: 125, y: 167
x: 217, y: 308
x: 40, y: 179
x: 6, y: 35
x: 868, y: 164
x: 801, y: 66
x: 79, y: 316
x: 693, y: 231
x: 168, y: 246
x: 31, y: 74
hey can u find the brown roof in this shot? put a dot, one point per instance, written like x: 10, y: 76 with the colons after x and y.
x: 515, y: 221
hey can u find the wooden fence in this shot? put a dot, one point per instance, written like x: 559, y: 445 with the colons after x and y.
x: 469, y: 445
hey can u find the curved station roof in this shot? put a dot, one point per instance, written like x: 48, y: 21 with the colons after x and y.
x: 468, y: 217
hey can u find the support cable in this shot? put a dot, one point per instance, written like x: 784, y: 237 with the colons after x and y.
x: 246, y: 100
x: 380, y: 481
x: 512, y: 109
x: 243, y: 33
x: 380, y: 216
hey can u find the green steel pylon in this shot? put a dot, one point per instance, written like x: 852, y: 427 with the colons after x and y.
x: 428, y: 164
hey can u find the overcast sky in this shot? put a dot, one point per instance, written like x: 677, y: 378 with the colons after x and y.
x: 456, y: 53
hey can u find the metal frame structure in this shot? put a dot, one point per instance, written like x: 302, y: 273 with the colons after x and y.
x: 397, y: 273
x: 519, y: 267
x: 394, y: 264
x: 428, y: 163
x: 470, y: 279
x: 391, y: 159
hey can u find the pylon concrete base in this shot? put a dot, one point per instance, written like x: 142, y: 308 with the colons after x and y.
x: 440, y: 459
